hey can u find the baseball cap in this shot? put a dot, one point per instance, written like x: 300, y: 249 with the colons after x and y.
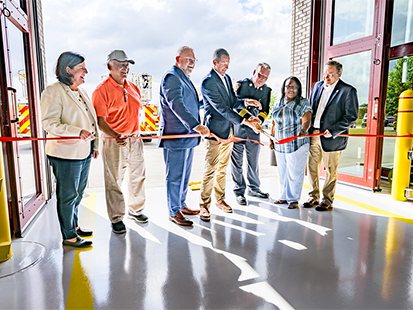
x: 119, y: 55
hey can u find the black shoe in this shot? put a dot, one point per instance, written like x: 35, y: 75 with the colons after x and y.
x: 142, y: 218
x: 323, y: 207
x: 241, y: 200
x: 259, y: 194
x: 84, y: 232
x: 79, y: 243
x: 310, y: 203
x: 118, y: 228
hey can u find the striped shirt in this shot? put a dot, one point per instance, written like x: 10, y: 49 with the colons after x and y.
x: 287, y: 119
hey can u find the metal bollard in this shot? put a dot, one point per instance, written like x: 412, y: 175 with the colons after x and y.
x: 402, y: 163
x: 5, y: 238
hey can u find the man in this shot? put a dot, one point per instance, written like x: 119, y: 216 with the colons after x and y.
x: 335, y: 107
x: 219, y: 104
x: 117, y: 103
x: 253, y: 88
x: 179, y: 115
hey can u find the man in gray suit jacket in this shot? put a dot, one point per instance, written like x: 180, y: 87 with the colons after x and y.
x: 179, y: 115
x: 335, y: 107
x: 220, y: 103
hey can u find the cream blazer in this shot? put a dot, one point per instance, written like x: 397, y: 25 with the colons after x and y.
x: 62, y: 116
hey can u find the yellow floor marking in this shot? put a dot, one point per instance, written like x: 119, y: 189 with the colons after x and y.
x: 371, y: 208
x: 80, y: 294
x: 377, y: 210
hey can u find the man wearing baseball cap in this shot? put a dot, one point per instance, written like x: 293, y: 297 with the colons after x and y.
x: 117, y: 102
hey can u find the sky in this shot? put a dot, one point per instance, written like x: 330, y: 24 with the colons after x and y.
x: 150, y: 32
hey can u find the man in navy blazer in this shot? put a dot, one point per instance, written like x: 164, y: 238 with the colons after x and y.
x: 335, y: 107
x: 179, y: 115
x: 220, y: 103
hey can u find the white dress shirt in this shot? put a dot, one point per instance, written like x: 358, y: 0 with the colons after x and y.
x: 223, y: 80
x: 325, y: 96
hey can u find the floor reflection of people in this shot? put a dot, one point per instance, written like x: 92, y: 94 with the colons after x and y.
x: 243, y: 243
x: 127, y: 273
x: 180, y: 290
x: 220, y: 274
x: 311, y: 272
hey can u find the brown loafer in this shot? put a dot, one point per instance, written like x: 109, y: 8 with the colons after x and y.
x: 224, y: 206
x: 204, y: 214
x: 323, y: 207
x: 310, y: 203
x: 180, y: 220
x: 187, y: 211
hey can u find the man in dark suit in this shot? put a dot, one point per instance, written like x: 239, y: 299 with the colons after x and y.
x: 335, y: 107
x: 253, y: 88
x: 179, y: 115
x: 219, y: 104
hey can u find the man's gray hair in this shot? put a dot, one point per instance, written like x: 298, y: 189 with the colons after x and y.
x: 263, y: 64
x: 183, y: 49
x: 339, y: 66
x: 218, y: 53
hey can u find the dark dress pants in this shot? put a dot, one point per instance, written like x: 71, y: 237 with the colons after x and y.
x: 71, y: 180
x: 252, y: 150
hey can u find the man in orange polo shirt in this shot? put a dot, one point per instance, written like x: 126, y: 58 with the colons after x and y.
x: 117, y: 103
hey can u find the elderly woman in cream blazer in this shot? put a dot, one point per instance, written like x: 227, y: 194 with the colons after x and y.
x: 68, y: 112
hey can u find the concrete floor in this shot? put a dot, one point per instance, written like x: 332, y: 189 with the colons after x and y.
x: 262, y: 256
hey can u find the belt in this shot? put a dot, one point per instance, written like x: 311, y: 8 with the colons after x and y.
x: 132, y: 135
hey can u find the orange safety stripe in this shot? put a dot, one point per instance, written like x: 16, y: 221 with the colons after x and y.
x: 150, y: 119
x: 24, y: 120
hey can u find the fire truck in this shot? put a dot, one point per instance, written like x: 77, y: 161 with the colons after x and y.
x: 149, y: 116
x: 23, y: 123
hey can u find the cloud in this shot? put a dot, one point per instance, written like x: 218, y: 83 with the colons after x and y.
x: 150, y: 31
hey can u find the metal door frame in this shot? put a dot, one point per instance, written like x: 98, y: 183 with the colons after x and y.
x: 322, y: 50
x: 21, y: 214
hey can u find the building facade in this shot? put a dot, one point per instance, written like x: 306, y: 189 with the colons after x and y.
x: 374, y: 42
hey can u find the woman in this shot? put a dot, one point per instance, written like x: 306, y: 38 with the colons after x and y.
x: 291, y: 116
x: 66, y: 112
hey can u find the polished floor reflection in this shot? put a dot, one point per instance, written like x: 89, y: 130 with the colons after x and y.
x: 263, y: 256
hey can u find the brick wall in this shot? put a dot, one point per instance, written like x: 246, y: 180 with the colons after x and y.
x: 300, y: 40
x: 41, y: 37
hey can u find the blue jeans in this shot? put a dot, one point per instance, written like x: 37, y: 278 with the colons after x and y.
x: 71, y: 177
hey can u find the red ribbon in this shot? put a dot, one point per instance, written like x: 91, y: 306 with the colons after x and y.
x: 193, y: 135
x: 289, y: 139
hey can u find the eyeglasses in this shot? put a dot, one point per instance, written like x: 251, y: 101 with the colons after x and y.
x: 293, y: 87
x: 329, y: 75
x: 194, y: 60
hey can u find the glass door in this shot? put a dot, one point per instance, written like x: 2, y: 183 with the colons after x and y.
x: 400, y: 75
x: 19, y: 119
x: 354, y: 37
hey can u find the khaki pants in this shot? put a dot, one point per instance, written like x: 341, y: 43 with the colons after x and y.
x: 116, y: 159
x: 216, y: 161
x: 331, y: 161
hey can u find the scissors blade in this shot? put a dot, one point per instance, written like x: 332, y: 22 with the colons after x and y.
x: 267, y: 134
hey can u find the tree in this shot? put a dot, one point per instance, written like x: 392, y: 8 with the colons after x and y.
x: 272, y: 101
x: 395, y: 86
